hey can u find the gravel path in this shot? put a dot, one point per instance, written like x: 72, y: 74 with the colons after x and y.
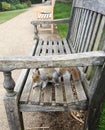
x: 16, y: 38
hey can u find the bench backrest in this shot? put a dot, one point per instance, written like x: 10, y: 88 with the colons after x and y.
x: 86, y: 33
x: 88, y: 19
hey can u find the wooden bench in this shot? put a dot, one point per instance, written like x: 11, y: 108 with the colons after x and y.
x: 45, y: 12
x: 83, y: 48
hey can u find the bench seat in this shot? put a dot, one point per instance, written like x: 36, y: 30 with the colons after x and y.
x: 70, y: 94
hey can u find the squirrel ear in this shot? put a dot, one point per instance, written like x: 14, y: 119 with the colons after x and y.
x: 37, y: 70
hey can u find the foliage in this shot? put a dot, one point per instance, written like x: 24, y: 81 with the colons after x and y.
x: 102, y: 119
x: 28, y: 2
x: 21, y: 6
x: 36, y: 1
x: 59, y: 13
x: 14, y: 2
x: 5, y: 6
x: 12, y: 7
x: 0, y: 6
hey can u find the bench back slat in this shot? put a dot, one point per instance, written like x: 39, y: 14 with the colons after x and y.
x: 86, y: 31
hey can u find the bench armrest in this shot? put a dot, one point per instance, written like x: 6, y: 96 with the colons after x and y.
x: 56, y: 21
x: 38, y: 22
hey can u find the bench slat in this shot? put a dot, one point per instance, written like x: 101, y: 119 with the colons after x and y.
x: 86, y: 31
x: 44, y: 47
x: 84, y: 26
x: 68, y: 89
x: 90, y: 32
x: 59, y: 95
x: 80, y: 92
x: 27, y: 89
x: 55, y: 47
x: 94, y: 31
x: 35, y: 95
x: 61, y: 47
x: 49, y: 47
x: 66, y: 46
x: 76, y: 22
x: 38, y: 50
x: 82, y: 17
x: 48, y: 95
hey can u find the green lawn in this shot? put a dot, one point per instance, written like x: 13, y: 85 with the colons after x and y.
x: 4, y: 16
x: 62, y: 11
x: 102, y: 118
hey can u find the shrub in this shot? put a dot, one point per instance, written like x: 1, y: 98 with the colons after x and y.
x: 12, y: 7
x: 14, y: 2
x: 5, y: 6
x: 28, y: 2
x: 36, y: 1
x: 19, y: 6
x: 24, y: 5
x: 0, y: 6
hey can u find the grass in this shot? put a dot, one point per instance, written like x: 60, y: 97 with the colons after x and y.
x: 102, y: 118
x: 62, y: 11
x: 5, y: 16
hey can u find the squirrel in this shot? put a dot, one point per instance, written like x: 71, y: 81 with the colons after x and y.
x: 73, y: 70
x: 43, y: 76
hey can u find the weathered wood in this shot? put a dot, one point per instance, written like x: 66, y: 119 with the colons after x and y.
x: 34, y: 97
x: 61, y: 47
x: 97, y: 41
x: 79, y: 59
x: 55, y: 48
x: 79, y: 29
x: 21, y: 82
x: 74, y: 22
x: 48, y: 94
x: 79, y: 49
x: 58, y: 21
x: 79, y: 11
x: 97, y: 98
x: 90, y: 32
x: 27, y: 89
x: 44, y: 108
x: 80, y: 92
x: 24, y: 73
x: 38, y: 50
x: 94, y: 5
x: 83, y: 30
x: 50, y: 48
x: 44, y: 48
x: 86, y: 32
x: 13, y: 114
x: 59, y: 95
x: 68, y: 90
x: 66, y: 46
x: 9, y: 84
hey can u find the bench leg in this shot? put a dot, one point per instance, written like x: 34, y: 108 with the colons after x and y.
x: 15, y: 118
x: 52, y: 28
x: 92, y: 118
